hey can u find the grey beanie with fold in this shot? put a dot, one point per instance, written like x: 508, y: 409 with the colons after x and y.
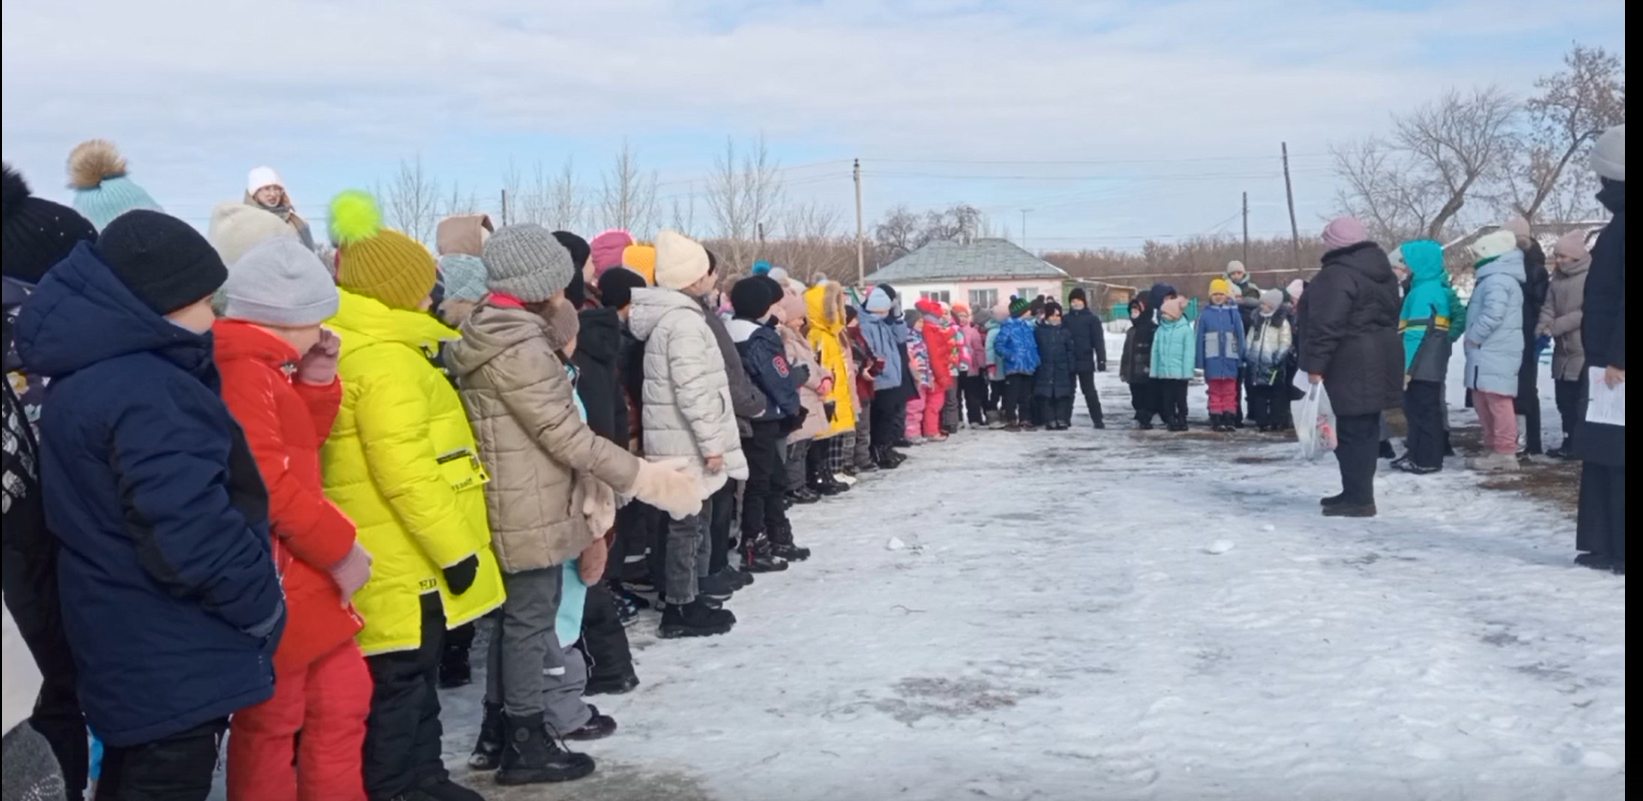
x: 279, y: 282
x: 527, y: 262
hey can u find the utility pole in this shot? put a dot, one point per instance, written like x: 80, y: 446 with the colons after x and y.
x: 504, y: 207
x: 861, y: 237
x: 1246, y: 230
x: 1294, y: 227
x: 1024, y: 228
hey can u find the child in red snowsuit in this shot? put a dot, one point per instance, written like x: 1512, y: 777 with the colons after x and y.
x: 279, y: 380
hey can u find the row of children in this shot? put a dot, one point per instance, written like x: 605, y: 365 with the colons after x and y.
x: 249, y: 490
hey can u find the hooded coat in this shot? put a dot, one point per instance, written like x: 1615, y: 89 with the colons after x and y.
x: 532, y: 441
x: 1603, y: 323
x: 802, y: 359
x: 1424, y: 318
x: 1350, y: 320
x: 687, y: 408
x: 285, y: 423
x: 1494, y: 326
x: 1220, y: 340
x: 1017, y: 348
x: 598, y: 348
x: 824, y: 305
x: 1174, y: 349
x: 937, y: 333
x: 1056, y: 358
x: 1561, y: 318
x: 1089, y: 340
x: 1537, y: 283
x: 1137, y: 360
x: 1268, y: 347
x: 402, y: 462
x: 887, y: 341
x: 168, y: 587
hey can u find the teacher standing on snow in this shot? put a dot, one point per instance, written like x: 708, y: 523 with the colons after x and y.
x: 1600, y: 533
x: 1352, y: 347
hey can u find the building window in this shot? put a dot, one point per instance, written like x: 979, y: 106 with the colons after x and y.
x: 983, y: 299
x: 1027, y: 292
x: 942, y: 296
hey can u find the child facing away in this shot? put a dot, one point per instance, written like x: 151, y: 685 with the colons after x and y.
x: 1174, y: 352
x: 1136, y: 367
x: 1266, y: 354
x: 1425, y: 323
x: 932, y: 327
x: 1494, y: 347
x: 1220, y: 346
x: 1017, y: 350
x: 1053, y: 381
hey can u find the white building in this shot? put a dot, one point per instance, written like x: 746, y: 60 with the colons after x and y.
x: 978, y: 274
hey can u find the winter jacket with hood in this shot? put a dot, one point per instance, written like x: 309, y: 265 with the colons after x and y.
x: 995, y: 365
x: 1603, y: 327
x: 1137, y: 363
x: 401, y: 461
x: 887, y: 340
x: 1350, y: 320
x: 1220, y: 340
x: 285, y: 423
x: 764, y: 357
x: 540, y: 456
x: 1267, y: 348
x: 1056, y: 360
x: 1561, y: 319
x: 598, y: 347
x: 937, y: 334
x: 687, y: 407
x: 824, y: 305
x: 1425, y: 309
x: 1017, y: 348
x: 808, y: 374
x: 1089, y: 340
x: 1174, y: 349
x: 1494, y: 326
x: 169, y: 592
x: 975, y: 342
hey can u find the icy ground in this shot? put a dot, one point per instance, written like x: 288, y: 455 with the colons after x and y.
x: 1113, y: 615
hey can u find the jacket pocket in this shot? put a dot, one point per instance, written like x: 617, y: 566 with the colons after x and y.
x: 462, y: 469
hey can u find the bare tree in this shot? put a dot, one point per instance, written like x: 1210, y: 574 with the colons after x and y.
x: 809, y: 242
x: 567, y: 210
x: 744, y: 192
x: 458, y: 203
x: 512, y: 181
x: 1378, y: 189
x: 628, y: 200
x: 683, y: 212
x: 902, y: 231
x: 411, y: 201
x: 1572, y: 108
x: 898, y: 233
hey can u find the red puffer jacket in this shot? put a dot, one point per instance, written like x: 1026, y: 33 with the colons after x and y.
x: 285, y: 423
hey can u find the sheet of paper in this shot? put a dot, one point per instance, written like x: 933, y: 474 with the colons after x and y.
x: 1608, y: 405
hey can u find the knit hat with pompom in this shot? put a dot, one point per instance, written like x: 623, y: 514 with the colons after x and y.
x: 35, y: 233
x: 379, y: 263
x: 102, y: 188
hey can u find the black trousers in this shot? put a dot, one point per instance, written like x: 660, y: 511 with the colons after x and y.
x: 889, y: 422
x: 1018, y: 399
x: 1265, y: 403
x: 1601, y: 527
x: 1143, y: 399
x: 1358, y: 451
x: 176, y: 768
x: 1571, y: 407
x: 402, y: 732
x: 1092, y: 399
x: 762, y: 502
x: 458, y: 642
x: 995, y: 395
x: 1527, y: 401
x: 1238, y: 397
x: 972, y: 390
x: 718, y: 526
x: 31, y: 593
x: 1055, y: 410
x: 1423, y: 407
x: 1172, y: 400
x: 603, y: 638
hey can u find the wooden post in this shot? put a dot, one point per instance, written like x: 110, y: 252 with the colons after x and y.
x: 1294, y: 227
x: 1246, y: 231
x: 861, y: 237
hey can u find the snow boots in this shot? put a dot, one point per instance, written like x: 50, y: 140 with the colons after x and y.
x: 695, y: 619
x: 783, y: 547
x: 532, y: 757
x: 759, y: 555
x: 598, y: 727
x: 1494, y: 463
x: 487, y: 754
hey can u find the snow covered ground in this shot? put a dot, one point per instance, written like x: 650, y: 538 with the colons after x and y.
x: 1116, y: 615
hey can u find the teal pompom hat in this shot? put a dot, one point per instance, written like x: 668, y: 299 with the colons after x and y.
x: 102, y: 189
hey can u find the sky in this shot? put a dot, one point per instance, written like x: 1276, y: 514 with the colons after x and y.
x: 1111, y: 121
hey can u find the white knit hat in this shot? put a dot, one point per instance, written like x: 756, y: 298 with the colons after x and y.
x: 280, y: 282
x: 261, y: 177
x: 1609, y: 154
x: 680, y: 261
x: 237, y: 227
x: 1494, y: 245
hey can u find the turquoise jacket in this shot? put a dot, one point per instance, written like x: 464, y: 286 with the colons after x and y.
x: 1174, y: 349
x: 1429, y: 298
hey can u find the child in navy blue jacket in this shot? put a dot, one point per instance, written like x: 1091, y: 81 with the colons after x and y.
x: 764, y: 513
x: 168, y: 587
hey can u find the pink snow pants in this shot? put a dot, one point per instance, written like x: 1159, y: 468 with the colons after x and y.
x: 915, y: 417
x: 1498, y: 416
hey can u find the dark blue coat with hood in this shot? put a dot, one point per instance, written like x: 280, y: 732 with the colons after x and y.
x: 169, y: 591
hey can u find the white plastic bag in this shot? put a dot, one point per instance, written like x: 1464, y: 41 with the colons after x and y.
x: 1314, y: 419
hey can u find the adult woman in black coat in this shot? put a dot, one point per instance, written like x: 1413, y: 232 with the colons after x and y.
x: 1536, y: 286
x: 1600, y: 533
x: 1352, y: 347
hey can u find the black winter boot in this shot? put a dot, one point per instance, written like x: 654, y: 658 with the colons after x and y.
x: 759, y: 557
x: 621, y: 684
x: 487, y: 754
x: 783, y: 547
x: 532, y: 757
x: 598, y: 727
x: 443, y: 789
x: 695, y: 619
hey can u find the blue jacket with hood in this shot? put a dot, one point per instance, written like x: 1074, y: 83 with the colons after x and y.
x: 1017, y: 347
x: 170, y: 596
x: 1426, y: 305
x: 1494, y: 326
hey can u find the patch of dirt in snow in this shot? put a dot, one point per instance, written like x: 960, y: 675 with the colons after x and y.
x: 921, y: 697
x: 1542, y: 478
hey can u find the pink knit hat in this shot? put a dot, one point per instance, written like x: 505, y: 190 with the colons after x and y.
x: 1572, y: 245
x: 607, y: 249
x: 1344, y: 232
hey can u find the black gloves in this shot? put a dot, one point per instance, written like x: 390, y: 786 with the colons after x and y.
x: 460, y: 576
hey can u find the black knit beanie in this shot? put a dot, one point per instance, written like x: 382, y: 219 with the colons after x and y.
x: 577, y: 290
x: 751, y: 298
x: 35, y: 233
x: 161, y: 259
x: 616, y: 287
x: 1077, y: 294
